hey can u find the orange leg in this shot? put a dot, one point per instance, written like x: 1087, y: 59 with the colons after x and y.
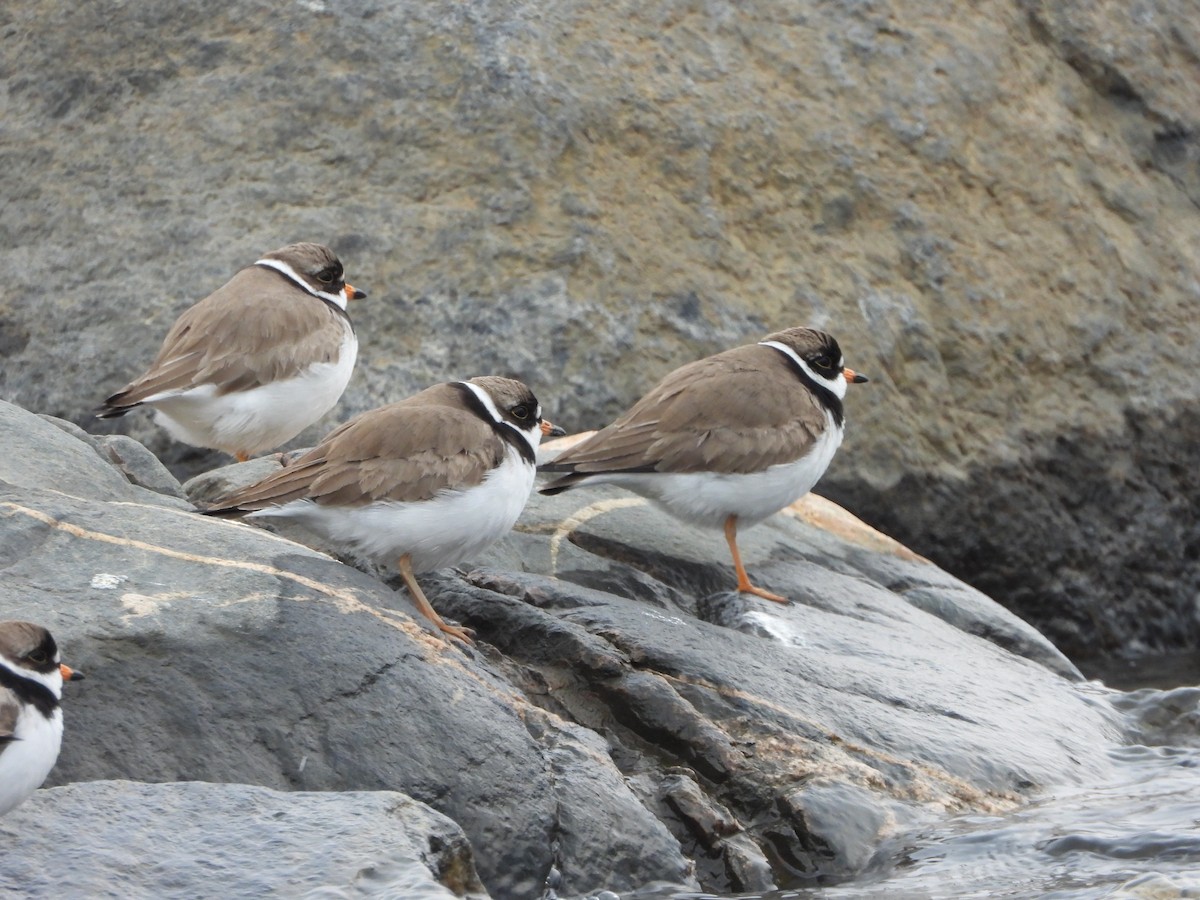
x: 414, y: 589
x: 241, y: 457
x: 744, y: 585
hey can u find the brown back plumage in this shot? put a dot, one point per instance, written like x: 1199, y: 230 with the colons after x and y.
x: 406, y: 451
x: 736, y: 412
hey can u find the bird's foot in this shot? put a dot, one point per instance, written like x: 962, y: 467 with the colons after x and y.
x: 748, y: 588
x: 461, y: 632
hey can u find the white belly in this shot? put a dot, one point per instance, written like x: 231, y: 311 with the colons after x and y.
x: 709, y: 498
x: 446, y: 530
x: 261, y: 418
x: 25, y: 762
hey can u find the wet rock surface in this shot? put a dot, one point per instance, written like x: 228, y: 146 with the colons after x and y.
x: 195, y: 839
x: 1056, y: 505
x: 624, y: 717
x: 999, y: 220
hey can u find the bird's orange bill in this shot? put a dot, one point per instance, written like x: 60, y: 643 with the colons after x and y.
x: 353, y: 293
x: 549, y: 429
x: 854, y: 377
x: 69, y: 674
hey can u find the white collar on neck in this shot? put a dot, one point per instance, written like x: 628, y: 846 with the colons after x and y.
x: 533, y: 437
x: 837, y: 384
x: 279, y: 266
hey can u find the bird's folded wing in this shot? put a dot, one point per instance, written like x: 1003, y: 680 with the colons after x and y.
x: 719, y: 414
x: 398, y: 453
x: 235, y: 340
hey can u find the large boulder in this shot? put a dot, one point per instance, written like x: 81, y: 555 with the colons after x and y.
x: 199, y: 840
x: 624, y: 718
x: 218, y: 652
x: 998, y: 218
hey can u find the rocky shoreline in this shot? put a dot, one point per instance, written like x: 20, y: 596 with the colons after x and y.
x: 623, y: 719
x: 998, y: 221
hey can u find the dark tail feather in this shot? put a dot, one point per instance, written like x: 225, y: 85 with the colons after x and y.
x: 224, y: 512
x: 114, y: 408
x: 114, y: 412
x: 561, y: 484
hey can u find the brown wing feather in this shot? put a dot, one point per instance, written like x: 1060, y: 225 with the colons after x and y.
x: 257, y: 328
x: 408, y: 451
x: 726, y: 413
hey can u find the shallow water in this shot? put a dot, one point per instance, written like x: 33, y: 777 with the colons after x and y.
x: 1135, y: 835
x: 1163, y: 670
x: 1077, y: 843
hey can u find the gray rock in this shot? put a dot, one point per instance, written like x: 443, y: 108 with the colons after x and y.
x: 139, y: 465
x: 40, y: 453
x: 999, y: 220
x: 197, y: 840
x: 1102, y: 567
x: 842, y: 821
x: 218, y: 652
x: 849, y: 695
x: 1162, y: 718
x: 624, y: 718
x: 934, y: 591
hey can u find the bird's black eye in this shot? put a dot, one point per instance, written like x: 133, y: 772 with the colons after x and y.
x: 823, y: 362
x: 520, y: 412
x: 38, y: 657
x: 329, y: 275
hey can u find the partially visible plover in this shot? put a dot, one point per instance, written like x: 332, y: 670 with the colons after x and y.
x: 31, y: 722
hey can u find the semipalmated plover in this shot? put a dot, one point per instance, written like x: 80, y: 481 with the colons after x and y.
x: 728, y: 440
x: 31, y: 724
x: 255, y: 362
x: 424, y: 483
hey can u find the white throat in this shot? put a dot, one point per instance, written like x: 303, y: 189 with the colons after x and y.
x: 837, y: 384
x: 532, y: 437
x: 339, y: 298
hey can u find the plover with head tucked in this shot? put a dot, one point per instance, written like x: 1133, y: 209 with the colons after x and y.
x: 255, y: 362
